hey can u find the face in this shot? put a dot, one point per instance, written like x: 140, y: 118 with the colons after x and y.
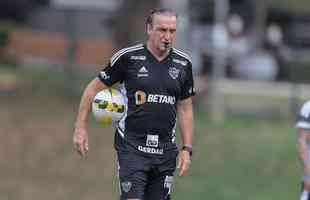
x: 162, y: 32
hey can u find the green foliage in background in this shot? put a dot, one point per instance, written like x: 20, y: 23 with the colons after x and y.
x: 296, y: 71
x: 6, y: 28
x: 3, y: 37
x: 299, y: 71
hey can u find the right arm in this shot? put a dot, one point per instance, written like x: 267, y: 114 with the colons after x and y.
x: 112, y: 73
x: 303, y: 138
x: 80, y: 137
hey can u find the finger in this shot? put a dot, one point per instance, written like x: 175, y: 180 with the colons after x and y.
x: 80, y: 149
x: 86, y: 145
x: 80, y: 153
x: 182, y: 171
x: 184, y: 168
x: 179, y: 163
x: 76, y: 146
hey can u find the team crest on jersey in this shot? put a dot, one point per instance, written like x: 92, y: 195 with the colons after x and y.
x: 126, y: 186
x: 174, y: 72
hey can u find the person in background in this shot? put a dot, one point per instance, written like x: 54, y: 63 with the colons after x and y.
x: 303, y: 142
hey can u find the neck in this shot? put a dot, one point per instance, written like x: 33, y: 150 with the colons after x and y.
x: 159, y: 55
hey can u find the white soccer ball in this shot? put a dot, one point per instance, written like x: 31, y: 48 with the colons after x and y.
x: 108, y: 106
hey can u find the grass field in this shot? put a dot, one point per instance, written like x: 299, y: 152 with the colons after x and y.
x: 245, y: 158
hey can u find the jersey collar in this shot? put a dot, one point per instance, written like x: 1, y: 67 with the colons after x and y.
x: 154, y: 58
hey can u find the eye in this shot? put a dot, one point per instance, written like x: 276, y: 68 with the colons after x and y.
x: 172, y: 31
x: 163, y: 30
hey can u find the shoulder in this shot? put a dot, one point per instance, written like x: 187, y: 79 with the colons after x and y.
x: 303, y: 120
x: 125, y: 51
x: 305, y: 109
x: 181, y: 57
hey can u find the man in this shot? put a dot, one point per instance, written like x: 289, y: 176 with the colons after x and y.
x: 303, y: 141
x: 158, y: 83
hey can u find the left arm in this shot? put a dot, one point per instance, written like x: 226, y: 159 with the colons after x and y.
x: 185, y: 119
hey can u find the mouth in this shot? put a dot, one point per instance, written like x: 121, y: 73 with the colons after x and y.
x: 166, y: 44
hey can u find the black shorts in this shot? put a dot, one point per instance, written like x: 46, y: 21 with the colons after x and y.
x: 145, y: 178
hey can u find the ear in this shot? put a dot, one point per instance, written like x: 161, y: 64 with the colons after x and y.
x: 149, y: 29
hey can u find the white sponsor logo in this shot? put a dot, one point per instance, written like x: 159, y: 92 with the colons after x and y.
x: 158, y: 98
x: 104, y: 75
x: 137, y: 57
x: 182, y: 62
x: 151, y: 150
x: 174, y: 72
x: 143, y: 72
x: 152, y: 141
x: 141, y: 97
x: 142, y: 75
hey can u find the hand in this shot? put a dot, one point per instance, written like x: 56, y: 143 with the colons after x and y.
x: 307, y: 185
x: 80, y: 140
x: 184, y: 162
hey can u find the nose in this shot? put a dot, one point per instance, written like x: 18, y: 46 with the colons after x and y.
x: 167, y: 35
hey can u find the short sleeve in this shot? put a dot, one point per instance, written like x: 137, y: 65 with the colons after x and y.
x: 114, y: 72
x: 303, y: 118
x: 188, y: 89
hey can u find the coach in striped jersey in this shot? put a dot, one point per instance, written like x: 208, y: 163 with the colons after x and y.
x: 303, y: 141
x: 158, y: 84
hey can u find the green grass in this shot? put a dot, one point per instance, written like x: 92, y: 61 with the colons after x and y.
x: 245, y: 158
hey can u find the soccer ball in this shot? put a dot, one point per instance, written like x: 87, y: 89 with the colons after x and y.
x: 108, y: 106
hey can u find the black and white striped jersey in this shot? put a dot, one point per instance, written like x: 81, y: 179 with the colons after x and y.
x: 303, y: 118
x: 152, y: 89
